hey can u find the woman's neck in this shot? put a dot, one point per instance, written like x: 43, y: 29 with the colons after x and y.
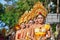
x: 21, y: 28
x: 41, y: 23
x: 27, y: 27
x: 35, y: 23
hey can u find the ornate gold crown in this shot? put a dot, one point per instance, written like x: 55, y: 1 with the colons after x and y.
x: 38, y: 7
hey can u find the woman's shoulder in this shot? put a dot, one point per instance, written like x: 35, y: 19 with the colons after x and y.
x: 47, y: 24
x: 18, y: 31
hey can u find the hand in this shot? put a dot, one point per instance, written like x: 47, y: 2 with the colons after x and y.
x: 43, y: 38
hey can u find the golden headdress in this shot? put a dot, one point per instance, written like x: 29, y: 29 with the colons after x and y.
x: 37, y: 9
x: 23, y: 17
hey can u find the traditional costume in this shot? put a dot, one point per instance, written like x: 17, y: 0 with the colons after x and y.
x: 37, y: 9
x: 27, y: 36
x: 41, y: 32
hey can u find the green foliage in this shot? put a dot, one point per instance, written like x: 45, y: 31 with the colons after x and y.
x: 1, y: 8
x: 42, y: 0
x: 10, y: 18
x: 9, y: 9
x: 54, y: 27
x: 13, y: 13
x: 23, y: 5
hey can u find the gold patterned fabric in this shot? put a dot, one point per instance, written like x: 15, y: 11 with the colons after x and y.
x: 27, y: 36
x: 39, y: 33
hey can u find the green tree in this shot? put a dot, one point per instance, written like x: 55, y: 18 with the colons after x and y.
x: 10, y: 18
x: 23, y: 5
x: 9, y: 8
x: 13, y: 13
x: 1, y: 8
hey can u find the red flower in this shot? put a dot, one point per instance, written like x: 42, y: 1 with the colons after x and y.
x: 39, y: 13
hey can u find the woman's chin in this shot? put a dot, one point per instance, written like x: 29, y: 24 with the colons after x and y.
x: 40, y: 22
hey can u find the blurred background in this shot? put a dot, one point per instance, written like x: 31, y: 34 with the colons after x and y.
x: 11, y: 11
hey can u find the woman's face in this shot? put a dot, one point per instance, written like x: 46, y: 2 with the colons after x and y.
x: 22, y: 26
x: 30, y: 22
x: 35, y: 20
x: 27, y: 25
x: 40, y: 19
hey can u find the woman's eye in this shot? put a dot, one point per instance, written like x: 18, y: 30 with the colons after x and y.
x: 38, y: 18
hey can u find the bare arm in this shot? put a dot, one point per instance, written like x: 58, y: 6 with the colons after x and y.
x: 49, y: 34
x: 32, y: 33
x: 24, y: 34
x: 16, y: 37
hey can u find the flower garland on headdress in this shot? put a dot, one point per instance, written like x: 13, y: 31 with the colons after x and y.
x: 37, y: 9
x: 23, y: 17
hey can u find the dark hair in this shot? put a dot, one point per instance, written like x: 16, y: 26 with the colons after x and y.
x: 41, y: 15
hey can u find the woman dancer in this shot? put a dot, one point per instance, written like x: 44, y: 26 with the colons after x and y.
x: 41, y: 30
x: 20, y: 34
x: 29, y: 30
